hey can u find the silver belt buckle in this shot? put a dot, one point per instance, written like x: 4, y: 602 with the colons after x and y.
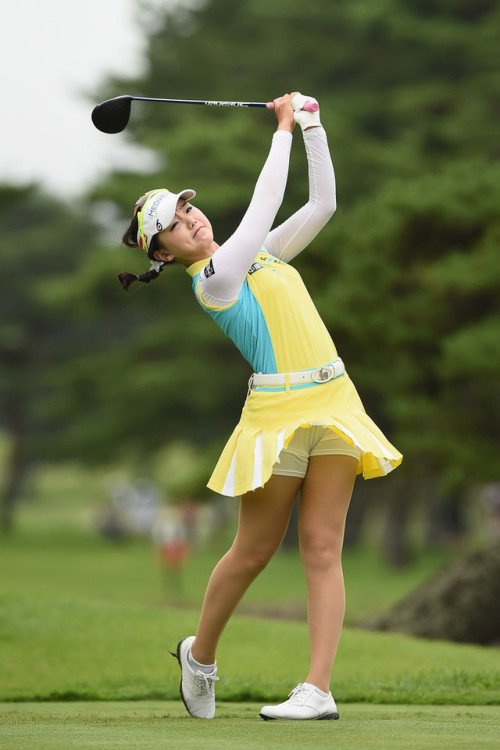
x: 323, y: 374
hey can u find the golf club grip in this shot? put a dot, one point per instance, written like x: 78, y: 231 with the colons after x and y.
x: 308, y: 106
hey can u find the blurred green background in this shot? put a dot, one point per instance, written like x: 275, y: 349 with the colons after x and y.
x: 114, y: 408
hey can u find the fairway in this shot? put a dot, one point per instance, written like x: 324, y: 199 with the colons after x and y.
x: 149, y: 724
x: 85, y: 631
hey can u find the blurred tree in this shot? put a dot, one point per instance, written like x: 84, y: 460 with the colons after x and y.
x: 412, y: 298
x: 84, y: 374
x: 405, y: 274
x: 139, y: 377
x: 42, y: 239
x: 403, y: 88
x: 410, y: 94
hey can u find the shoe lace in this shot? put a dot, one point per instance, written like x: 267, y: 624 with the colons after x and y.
x: 295, y: 695
x: 205, y: 682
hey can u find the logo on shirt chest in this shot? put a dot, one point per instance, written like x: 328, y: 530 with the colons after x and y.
x: 254, y: 267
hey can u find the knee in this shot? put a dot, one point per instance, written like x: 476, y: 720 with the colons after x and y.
x: 252, y: 561
x: 321, y: 552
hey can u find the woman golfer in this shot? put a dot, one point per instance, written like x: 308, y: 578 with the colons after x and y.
x: 303, y: 426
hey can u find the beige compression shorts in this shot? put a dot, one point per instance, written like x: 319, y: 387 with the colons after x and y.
x: 317, y: 440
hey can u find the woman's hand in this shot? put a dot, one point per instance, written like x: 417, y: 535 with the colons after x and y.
x: 284, y: 112
x: 306, y: 119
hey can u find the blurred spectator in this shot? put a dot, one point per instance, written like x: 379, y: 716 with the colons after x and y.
x: 143, y: 507
x: 171, y: 552
x: 132, y: 509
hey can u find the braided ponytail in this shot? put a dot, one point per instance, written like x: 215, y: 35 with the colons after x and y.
x: 126, y: 279
x: 129, y: 239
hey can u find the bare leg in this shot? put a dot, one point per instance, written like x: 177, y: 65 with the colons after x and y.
x: 263, y: 520
x: 326, y: 494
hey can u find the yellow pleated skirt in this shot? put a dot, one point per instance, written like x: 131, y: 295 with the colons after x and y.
x: 269, y: 420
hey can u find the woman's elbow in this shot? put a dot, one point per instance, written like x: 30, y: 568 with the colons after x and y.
x: 328, y: 207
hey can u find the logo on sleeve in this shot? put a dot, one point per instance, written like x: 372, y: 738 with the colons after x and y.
x: 209, y: 270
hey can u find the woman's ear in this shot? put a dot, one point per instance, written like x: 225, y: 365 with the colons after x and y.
x: 163, y: 255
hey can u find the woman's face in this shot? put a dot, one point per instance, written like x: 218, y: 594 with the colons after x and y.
x: 188, y: 238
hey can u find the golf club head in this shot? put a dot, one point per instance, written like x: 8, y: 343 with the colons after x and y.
x: 112, y: 115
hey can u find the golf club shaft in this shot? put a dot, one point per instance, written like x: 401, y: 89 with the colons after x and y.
x: 308, y: 106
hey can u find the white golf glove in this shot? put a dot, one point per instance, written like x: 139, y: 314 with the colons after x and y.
x: 302, y: 117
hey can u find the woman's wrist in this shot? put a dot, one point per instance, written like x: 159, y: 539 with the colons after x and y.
x: 280, y: 134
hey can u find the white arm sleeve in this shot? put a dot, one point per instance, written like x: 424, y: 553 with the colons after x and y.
x: 291, y: 237
x: 228, y: 267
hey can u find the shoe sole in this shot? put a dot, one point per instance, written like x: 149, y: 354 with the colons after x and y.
x: 318, y: 718
x: 177, y: 656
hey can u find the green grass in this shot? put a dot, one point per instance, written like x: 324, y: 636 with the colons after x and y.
x: 79, y: 649
x: 85, y: 619
x: 85, y: 628
x: 61, y: 562
x: 149, y: 725
x: 56, y: 550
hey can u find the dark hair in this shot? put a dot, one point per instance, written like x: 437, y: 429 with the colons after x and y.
x: 126, y: 279
x: 129, y: 239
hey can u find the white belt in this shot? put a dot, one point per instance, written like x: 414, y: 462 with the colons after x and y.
x: 319, y: 375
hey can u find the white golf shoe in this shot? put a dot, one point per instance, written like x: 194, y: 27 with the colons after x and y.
x: 304, y: 702
x: 197, y: 687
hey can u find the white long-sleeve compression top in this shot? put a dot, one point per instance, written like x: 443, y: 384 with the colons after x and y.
x: 222, y: 279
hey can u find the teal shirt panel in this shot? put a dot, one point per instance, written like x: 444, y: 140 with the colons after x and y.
x: 245, y: 325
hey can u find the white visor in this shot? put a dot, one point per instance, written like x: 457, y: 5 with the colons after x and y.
x: 158, y: 213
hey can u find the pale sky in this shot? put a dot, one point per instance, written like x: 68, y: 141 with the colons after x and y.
x: 53, y: 55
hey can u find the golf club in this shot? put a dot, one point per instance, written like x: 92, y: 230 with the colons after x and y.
x: 113, y: 115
